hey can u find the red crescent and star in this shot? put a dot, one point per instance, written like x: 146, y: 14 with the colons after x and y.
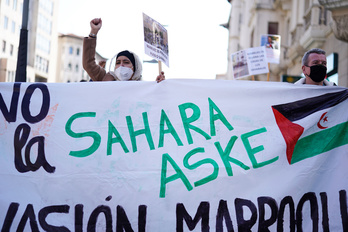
x: 323, y: 119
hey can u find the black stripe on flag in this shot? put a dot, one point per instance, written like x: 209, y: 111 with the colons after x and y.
x: 300, y: 109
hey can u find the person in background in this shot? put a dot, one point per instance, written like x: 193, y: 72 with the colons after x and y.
x: 269, y: 42
x: 314, y: 68
x: 127, y: 65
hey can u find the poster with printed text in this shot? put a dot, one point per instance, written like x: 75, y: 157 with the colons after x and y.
x: 252, y: 61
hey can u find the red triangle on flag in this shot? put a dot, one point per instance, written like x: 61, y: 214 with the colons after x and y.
x: 290, y: 131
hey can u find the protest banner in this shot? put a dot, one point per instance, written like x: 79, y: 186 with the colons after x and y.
x: 249, y: 62
x: 156, y: 41
x: 272, y: 44
x: 182, y: 155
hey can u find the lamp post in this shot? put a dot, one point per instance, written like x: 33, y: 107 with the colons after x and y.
x: 21, y: 70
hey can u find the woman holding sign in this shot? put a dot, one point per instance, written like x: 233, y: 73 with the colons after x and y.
x: 127, y: 66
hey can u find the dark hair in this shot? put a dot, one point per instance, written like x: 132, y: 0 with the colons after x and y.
x: 313, y: 50
x: 127, y: 54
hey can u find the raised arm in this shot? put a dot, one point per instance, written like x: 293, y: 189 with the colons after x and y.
x: 96, y: 72
x: 96, y: 24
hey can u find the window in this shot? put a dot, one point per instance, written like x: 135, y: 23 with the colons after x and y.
x: 5, y: 22
x: 47, y: 66
x: 43, y: 44
x: 47, y: 5
x: 69, y: 66
x: 71, y: 50
x: 44, y: 23
x: 14, y: 5
x: 8, y: 2
x: 77, y: 68
x: 11, y: 49
x: 3, y: 46
x: 50, y: 27
x: 78, y: 51
x: 41, y: 64
x: 272, y: 28
x: 13, y: 29
x: 10, y: 76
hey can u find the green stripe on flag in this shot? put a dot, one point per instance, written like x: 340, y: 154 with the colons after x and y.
x: 320, y: 142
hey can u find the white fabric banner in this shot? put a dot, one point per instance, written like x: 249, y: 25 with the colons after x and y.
x: 180, y: 155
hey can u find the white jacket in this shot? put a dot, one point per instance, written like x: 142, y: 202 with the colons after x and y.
x: 303, y: 81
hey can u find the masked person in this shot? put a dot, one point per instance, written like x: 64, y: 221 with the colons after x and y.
x: 314, y: 68
x: 127, y: 65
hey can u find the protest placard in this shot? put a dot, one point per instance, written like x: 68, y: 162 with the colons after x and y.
x: 156, y: 40
x: 272, y: 44
x: 252, y: 61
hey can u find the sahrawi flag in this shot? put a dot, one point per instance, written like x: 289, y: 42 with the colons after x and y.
x: 314, y: 125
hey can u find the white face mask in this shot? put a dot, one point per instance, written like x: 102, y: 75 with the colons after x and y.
x: 124, y: 73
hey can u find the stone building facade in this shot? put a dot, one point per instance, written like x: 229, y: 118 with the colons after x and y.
x: 69, y: 59
x: 301, y: 24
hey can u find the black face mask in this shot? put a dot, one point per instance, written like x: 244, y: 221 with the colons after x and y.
x: 318, y: 72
